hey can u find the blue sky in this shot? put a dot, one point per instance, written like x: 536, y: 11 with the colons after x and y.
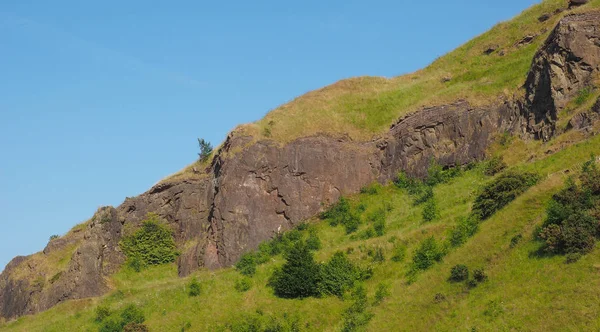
x: 99, y: 101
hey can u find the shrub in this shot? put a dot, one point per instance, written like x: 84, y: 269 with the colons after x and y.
x: 573, y: 257
x: 399, y: 252
x: 428, y: 253
x: 372, y: 189
x: 479, y: 275
x: 102, y: 312
x: 425, y: 194
x: 313, y: 242
x: 381, y: 293
x: 379, y: 227
x: 153, y: 244
x: 583, y: 95
x: 247, y: 264
x: 131, y: 317
x: 356, y: 316
x: 135, y: 327
x: 466, y: 228
x: 403, y: 181
x: 459, y: 273
x: 132, y: 314
x: 436, y: 174
x: 430, y: 211
x: 439, y: 298
x: 378, y: 255
x: 261, y: 322
x: 569, y: 227
x: 195, y: 288
x: 54, y: 237
x: 243, y: 285
x: 494, y: 166
x: 299, y: 277
x: 338, y: 275
x: 56, y: 277
x: 342, y: 214
x: 515, y: 240
x: 501, y: 191
x: 205, y: 149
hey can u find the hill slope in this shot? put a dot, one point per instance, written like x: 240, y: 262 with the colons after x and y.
x: 304, y: 156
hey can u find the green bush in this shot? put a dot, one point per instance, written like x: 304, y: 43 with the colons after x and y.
x: 466, y: 228
x: 430, y: 210
x: 356, y: 317
x: 381, y: 293
x: 515, y: 240
x: 54, y: 237
x: 243, y: 285
x: 206, y: 149
x: 372, y: 189
x: 436, y: 174
x: 411, y: 185
x: 569, y: 226
x: 378, y: 255
x: 102, y: 312
x: 135, y: 327
x: 338, y: 275
x: 428, y: 253
x: 379, y: 227
x: 299, y: 277
x: 152, y: 244
x: 259, y: 322
x: 247, y: 264
x: 313, y: 242
x: 583, y: 95
x: 341, y: 214
x: 459, y: 273
x: 479, y: 275
x: 424, y: 194
x: 494, y: 166
x: 399, y: 252
x: 195, y: 288
x: 501, y: 191
x: 130, y: 316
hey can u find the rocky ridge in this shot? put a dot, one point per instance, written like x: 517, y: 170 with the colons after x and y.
x: 251, y: 190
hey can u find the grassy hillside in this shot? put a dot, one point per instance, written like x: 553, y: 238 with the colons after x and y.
x: 365, y: 107
x: 522, y: 290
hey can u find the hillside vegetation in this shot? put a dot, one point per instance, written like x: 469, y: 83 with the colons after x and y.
x: 466, y: 248
x: 519, y: 281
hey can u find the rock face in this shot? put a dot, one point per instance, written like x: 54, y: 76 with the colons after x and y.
x: 565, y: 64
x: 253, y: 189
x: 577, y: 3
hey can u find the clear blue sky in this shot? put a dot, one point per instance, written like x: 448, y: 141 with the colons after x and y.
x: 100, y: 100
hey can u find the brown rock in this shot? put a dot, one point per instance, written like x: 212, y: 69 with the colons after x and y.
x: 544, y: 17
x: 252, y: 189
x: 565, y: 64
x: 577, y: 3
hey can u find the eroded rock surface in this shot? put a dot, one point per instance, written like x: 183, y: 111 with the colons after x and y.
x: 568, y: 62
x: 254, y: 189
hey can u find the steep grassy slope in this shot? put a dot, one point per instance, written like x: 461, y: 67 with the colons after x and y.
x: 365, y: 107
x: 522, y: 291
x: 525, y: 290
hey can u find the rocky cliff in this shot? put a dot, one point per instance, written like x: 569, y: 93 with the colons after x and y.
x: 253, y: 189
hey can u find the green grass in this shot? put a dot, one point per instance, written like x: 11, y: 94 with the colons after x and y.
x: 366, y: 106
x: 522, y: 290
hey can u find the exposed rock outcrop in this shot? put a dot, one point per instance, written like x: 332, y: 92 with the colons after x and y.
x: 252, y: 189
x: 566, y: 63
